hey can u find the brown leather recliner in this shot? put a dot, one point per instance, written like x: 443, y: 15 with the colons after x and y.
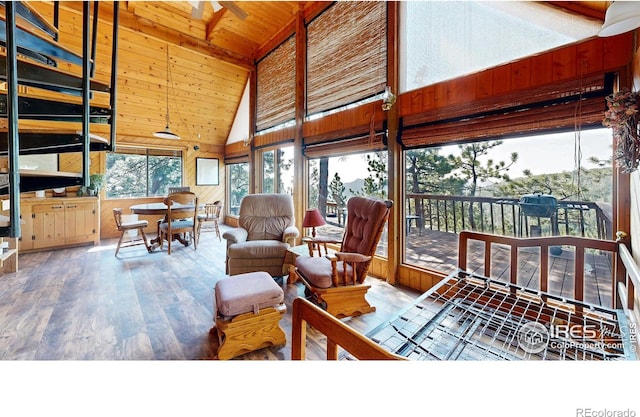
x: 266, y: 229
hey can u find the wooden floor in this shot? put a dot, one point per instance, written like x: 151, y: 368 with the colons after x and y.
x: 85, y: 304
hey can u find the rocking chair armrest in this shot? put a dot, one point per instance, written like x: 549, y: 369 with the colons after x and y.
x: 352, y: 257
x: 346, y: 258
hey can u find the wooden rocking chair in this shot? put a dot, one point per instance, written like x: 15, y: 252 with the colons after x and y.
x: 336, y: 282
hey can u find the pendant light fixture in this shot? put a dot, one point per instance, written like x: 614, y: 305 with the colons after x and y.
x: 167, y: 133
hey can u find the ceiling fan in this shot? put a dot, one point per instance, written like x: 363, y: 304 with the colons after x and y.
x: 198, y: 8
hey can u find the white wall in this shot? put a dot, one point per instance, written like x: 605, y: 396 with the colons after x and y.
x: 240, y: 128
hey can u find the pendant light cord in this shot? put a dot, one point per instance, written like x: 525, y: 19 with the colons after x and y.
x: 167, y: 85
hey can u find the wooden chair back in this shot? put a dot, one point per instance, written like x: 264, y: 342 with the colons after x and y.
x: 181, y: 218
x: 117, y: 216
x: 173, y: 190
x: 176, y: 203
x: 366, y: 220
x: 139, y: 225
x: 213, y: 211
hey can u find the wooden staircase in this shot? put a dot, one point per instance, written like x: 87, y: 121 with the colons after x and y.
x: 51, y: 102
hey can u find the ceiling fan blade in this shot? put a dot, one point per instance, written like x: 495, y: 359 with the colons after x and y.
x: 235, y: 9
x: 197, y: 9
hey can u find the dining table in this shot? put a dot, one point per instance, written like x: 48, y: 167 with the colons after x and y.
x: 160, y: 209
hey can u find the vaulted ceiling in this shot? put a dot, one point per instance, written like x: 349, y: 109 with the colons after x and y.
x: 236, y: 34
x: 241, y: 31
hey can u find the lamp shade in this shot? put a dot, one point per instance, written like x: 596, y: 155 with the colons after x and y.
x: 166, y: 134
x: 313, y: 218
x: 621, y: 17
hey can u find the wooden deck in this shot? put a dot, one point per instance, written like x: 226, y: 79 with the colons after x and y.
x: 439, y: 251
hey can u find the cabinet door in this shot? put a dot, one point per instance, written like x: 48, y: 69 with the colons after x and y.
x: 48, y: 225
x: 80, y: 222
x: 26, y: 227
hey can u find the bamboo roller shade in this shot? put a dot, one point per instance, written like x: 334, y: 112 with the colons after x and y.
x: 346, y: 54
x: 565, y: 106
x: 276, y: 86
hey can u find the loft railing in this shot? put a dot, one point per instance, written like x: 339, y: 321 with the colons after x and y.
x: 503, y: 216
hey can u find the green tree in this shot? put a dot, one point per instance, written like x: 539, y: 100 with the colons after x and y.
x: 376, y: 183
x: 314, y: 182
x: 472, y: 170
x: 239, y: 181
x: 268, y: 172
x: 428, y: 172
x: 337, y: 191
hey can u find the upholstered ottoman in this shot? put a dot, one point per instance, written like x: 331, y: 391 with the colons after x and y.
x: 247, y: 313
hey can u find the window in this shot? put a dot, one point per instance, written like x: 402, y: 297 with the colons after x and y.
x: 478, y: 186
x: 443, y: 40
x: 133, y: 173
x: 238, y: 187
x: 277, y: 170
x: 333, y: 180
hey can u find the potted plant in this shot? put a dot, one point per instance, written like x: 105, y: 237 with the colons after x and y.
x: 622, y: 117
x: 96, y: 182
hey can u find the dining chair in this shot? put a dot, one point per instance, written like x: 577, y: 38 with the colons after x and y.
x: 211, y: 213
x: 126, y: 228
x: 181, y: 220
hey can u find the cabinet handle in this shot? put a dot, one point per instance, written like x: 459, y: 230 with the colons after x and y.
x: 74, y: 206
x: 56, y: 207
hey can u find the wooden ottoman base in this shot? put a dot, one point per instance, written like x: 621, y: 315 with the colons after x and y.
x: 248, y: 331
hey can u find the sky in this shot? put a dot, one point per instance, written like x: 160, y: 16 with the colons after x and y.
x: 540, y: 154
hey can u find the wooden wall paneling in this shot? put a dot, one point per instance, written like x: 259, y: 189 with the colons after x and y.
x: 416, y: 278
x: 485, y: 81
x: 520, y: 74
x: 501, y: 80
x: 565, y: 65
x: 440, y: 95
x: 589, y: 57
x: 541, y: 70
x: 618, y: 50
x: 236, y: 149
x: 343, y: 124
x: 429, y: 98
x: 461, y: 90
x: 413, y: 102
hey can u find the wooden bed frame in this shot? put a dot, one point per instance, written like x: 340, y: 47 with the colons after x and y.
x: 344, y: 342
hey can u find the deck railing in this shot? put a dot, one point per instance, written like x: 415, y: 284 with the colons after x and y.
x: 503, y: 216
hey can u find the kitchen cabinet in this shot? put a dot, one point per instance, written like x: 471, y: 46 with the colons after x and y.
x: 50, y: 223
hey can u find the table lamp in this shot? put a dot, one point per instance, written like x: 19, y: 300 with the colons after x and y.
x: 313, y: 219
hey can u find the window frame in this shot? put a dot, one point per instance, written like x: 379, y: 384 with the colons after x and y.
x: 146, y: 153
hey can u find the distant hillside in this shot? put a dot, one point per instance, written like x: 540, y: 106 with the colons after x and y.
x: 355, y: 185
